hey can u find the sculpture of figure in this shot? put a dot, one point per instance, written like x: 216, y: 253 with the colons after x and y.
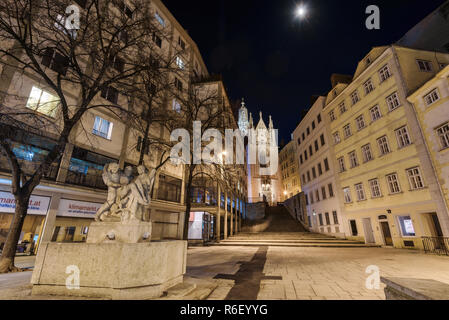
x: 111, y: 177
x: 128, y: 197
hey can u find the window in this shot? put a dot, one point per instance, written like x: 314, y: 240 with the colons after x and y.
x: 384, y: 148
x: 178, y: 84
x: 407, y: 228
x: 181, y: 43
x: 375, y: 113
x: 355, y: 97
x: 43, y: 102
x: 102, y: 128
x: 375, y: 188
x: 303, y: 136
x: 332, y: 116
x: 320, y: 169
x: 326, y: 165
x: 360, y: 191
x: 337, y: 138
x: 308, y: 131
x: 313, y: 125
x: 301, y: 159
x: 323, y: 141
x: 393, y: 183
x: 179, y: 63
x: 81, y: 3
x: 415, y: 178
x: 369, y: 87
x: 393, y: 101
x: 432, y: 97
x: 308, y: 176
x: 305, y: 155
x: 117, y: 63
x: 317, y: 193
x: 323, y: 193
x: 328, y: 220
x: 314, y: 172
x: 310, y: 150
x: 299, y: 141
x: 159, y: 19
x: 341, y: 163
x: 311, y: 198
x: 141, y: 148
x: 360, y: 121
x: 366, y: 153
x: 342, y: 108
x: 347, y: 195
x: 347, y: 131
x: 331, y: 190
x: 334, y: 213
x: 403, y: 137
x: 384, y: 73
x: 169, y: 189
x: 353, y: 159
x: 425, y: 66
x: 320, y: 217
x: 319, y: 118
x: 157, y: 40
x: 354, y: 230
x: 443, y: 133
x: 110, y: 94
x: 176, y: 106
x: 316, y: 146
x: 55, y: 61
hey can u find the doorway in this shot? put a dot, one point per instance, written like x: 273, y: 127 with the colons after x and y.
x: 386, y: 233
x: 369, y: 234
x: 437, y: 231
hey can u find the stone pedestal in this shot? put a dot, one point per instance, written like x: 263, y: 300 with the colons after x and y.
x: 126, y: 232
x: 125, y: 271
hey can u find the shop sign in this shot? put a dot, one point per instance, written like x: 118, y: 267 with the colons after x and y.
x: 38, y: 205
x: 78, y: 209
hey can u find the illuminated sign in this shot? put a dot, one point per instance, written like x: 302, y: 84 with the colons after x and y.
x: 37, y: 206
x: 78, y: 209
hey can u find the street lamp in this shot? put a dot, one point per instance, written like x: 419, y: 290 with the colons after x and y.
x: 301, y: 11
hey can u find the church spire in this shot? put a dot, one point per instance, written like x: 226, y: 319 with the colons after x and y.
x: 270, y: 125
x: 251, y: 122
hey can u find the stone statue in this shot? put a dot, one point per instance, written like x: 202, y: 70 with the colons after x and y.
x: 128, y: 197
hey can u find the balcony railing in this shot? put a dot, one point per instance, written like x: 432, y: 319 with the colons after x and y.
x: 436, y: 245
x: 91, y: 180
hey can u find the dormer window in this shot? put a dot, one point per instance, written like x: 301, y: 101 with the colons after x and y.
x: 368, y: 61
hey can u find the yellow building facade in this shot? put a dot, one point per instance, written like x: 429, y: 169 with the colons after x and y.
x: 288, y: 163
x: 385, y: 180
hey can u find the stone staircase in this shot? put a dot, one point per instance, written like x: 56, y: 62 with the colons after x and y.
x: 284, y: 231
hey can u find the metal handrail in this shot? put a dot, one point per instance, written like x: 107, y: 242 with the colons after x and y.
x: 436, y: 245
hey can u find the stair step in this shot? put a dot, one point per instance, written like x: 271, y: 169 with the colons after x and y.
x: 297, y: 245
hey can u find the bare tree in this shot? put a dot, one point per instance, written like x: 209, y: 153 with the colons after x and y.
x: 76, y: 64
x: 203, y: 102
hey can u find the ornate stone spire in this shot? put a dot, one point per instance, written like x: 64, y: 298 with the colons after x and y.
x: 251, y: 121
x: 270, y: 125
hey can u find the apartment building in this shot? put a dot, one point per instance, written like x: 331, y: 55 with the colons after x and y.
x: 288, y: 166
x: 317, y: 172
x: 385, y: 180
x: 64, y: 204
x: 431, y: 104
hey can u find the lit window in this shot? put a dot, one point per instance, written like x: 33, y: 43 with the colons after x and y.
x: 159, y: 19
x: 415, y: 179
x: 360, y: 191
x: 403, y: 137
x: 332, y: 115
x: 384, y: 73
x: 432, y: 97
x: 443, y: 133
x: 342, y: 108
x: 347, y: 195
x: 393, y: 101
x: 355, y: 97
x: 369, y: 87
x: 43, y: 102
x: 425, y: 66
x: 375, y: 113
x: 341, y: 163
x: 337, y: 138
x: 407, y: 227
x: 176, y: 106
x: 367, y: 154
x: 347, y: 131
x: 393, y: 183
x: 360, y: 122
x: 102, y: 128
x: 179, y: 63
x: 353, y: 159
x: 383, y: 145
x: 375, y: 188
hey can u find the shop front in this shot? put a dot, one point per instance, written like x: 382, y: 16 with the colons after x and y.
x: 201, y: 227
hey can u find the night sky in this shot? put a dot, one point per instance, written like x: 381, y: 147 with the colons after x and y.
x: 278, y: 62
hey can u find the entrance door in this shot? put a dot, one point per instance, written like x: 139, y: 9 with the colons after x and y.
x: 369, y: 234
x: 386, y: 233
x: 436, y: 225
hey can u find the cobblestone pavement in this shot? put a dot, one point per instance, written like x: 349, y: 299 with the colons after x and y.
x: 318, y: 273
x: 307, y: 273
